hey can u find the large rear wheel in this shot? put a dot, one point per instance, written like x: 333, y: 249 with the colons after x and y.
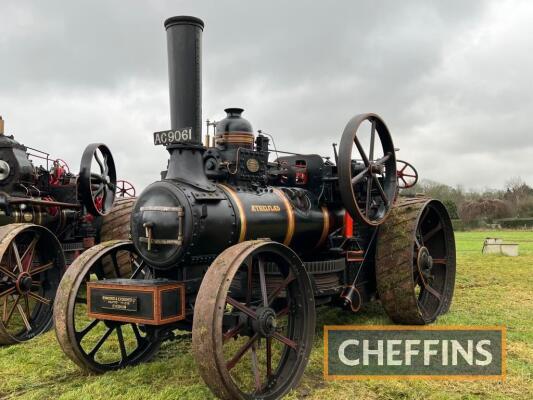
x: 415, y: 261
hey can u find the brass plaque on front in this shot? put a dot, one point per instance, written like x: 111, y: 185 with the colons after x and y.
x: 122, y: 303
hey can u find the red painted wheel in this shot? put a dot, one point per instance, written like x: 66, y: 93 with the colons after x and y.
x: 31, y: 264
x: 125, y: 189
x: 63, y: 164
x: 407, y: 174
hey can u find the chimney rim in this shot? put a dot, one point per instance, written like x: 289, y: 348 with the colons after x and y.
x: 184, y: 20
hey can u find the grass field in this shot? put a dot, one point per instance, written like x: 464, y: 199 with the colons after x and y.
x: 490, y: 290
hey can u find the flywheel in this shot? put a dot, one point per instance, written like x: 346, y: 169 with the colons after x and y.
x: 415, y: 261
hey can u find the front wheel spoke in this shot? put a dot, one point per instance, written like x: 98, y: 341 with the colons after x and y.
x: 237, y: 357
x: 136, y: 333
x: 269, y: 356
x: 42, y: 268
x: 283, y: 312
x: 122, y: 346
x: 8, y: 273
x: 440, y: 261
x: 40, y: 298
x: 282, y: 286
x: 231, y: 333
x: 100, y: 343
x: 262, y: 281
x: 432, y: 232
x: 255, y: 368
x: 241, y: 307
x: 81, y: 334
x: 138, y: 268
x: 285, y: 340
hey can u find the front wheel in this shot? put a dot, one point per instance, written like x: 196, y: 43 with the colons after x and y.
x: 254, y: 321
x: 96, y: 345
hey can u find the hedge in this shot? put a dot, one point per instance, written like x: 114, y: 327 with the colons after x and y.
x: 515, y: 222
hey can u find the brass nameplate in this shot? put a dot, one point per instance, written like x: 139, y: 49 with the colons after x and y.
x: 123, y: 303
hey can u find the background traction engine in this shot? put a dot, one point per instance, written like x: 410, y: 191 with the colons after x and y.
x: 240, y: 250
x: 48, y: 216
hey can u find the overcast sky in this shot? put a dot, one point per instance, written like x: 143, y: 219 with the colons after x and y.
x: 452, y: 79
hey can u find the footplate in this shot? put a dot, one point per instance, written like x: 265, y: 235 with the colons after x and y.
x: 150, y: 302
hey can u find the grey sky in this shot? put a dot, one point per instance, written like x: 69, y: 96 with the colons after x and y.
x: 452, y: 79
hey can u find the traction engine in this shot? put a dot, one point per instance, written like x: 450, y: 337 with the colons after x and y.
x: 239, y: 246
x: 48, y: 217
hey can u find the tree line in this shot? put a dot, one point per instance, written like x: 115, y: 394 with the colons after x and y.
x: 515, y: 200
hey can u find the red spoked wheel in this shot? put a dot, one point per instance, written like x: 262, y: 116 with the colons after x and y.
x: 407, y: 174
x: 63, y: 164
x: 125, y: 189
x: 31, y: 264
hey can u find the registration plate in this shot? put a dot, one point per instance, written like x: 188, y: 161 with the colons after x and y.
x: 166, y: 138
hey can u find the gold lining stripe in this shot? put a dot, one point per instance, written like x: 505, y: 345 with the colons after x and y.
x: 325, y: 227
x: 290, y: 217
x: 240, y: 209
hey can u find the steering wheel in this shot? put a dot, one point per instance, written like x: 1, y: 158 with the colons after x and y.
x: 125, y: 189
x: 367, y: 179
x: 407, y: 174
x: 98, y: 179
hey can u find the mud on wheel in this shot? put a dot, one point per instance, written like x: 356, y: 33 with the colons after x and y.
x: 415, y: 261
x: 31, y: 264
x: 254, y: 322
x: 96, y: 345
x: 116, y: 226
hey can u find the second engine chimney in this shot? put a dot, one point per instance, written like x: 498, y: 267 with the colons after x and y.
x: 184, y: 44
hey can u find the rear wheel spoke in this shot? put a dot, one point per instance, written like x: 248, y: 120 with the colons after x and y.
x: 432, y: 232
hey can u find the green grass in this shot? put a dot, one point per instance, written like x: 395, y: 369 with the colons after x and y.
x: 490, y: 290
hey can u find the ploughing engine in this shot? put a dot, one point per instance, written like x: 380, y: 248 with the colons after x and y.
x: 48, y: 216
x: 238, y: 245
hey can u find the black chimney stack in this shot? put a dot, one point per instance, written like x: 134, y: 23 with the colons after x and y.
x: 184, y: 44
